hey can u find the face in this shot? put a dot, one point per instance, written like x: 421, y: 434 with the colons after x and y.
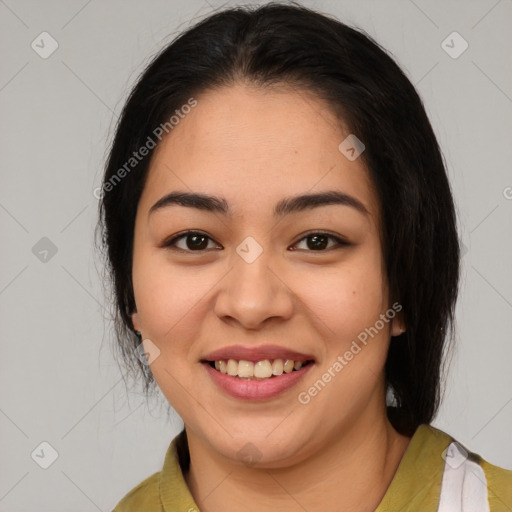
x: 305, y: 283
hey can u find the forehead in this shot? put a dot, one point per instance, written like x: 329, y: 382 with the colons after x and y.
x: 254, y: 146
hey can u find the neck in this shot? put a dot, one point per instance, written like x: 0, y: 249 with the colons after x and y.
x: 351, y: 472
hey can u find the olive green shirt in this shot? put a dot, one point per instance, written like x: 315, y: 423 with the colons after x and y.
x: 436, y: 474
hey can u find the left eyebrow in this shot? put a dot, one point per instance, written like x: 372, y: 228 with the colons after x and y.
x: 285, y: 206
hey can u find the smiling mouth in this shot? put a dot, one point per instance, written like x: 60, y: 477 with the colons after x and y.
x: 260, y: 370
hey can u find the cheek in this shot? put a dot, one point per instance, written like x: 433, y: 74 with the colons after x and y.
x: 348, y: 305
x: 169, y: 307
x: 345, y: 299
x: 167, y: 298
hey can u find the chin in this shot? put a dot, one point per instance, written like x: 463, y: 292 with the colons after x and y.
x: 256, y: 448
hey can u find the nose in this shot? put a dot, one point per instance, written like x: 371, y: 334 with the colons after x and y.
x: 254, y: 292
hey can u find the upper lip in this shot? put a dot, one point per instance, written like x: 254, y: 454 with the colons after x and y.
x: 271, y: 352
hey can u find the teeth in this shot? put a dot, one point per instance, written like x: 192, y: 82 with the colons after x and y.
x: 288, y: 366
x: 232, y: 368
x: 245, y: 368
x: 264, y: 369
x: 277, y: 367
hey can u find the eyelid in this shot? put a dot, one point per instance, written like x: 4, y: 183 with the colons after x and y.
x: 339, y: 239
x: 169, y: 242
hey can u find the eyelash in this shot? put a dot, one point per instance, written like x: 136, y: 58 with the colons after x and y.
x: 169, y: 244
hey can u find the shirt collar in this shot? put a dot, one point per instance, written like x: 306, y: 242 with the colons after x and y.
x: 415, y: 486
x: 174, y: 492
x: 417, y: 481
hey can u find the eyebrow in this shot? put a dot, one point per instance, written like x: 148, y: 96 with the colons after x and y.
x: 285, y: 206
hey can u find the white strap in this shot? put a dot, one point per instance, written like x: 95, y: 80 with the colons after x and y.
x: 464, y: 485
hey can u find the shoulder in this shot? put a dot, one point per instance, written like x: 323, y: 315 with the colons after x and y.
x: 145, y: 497
x: 468, y: 479
x: 439, y: 474
x: 499, y: 485
x: 164, y: 490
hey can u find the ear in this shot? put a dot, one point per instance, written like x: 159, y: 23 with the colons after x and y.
x: 135, y: 321
x: 398, y: 324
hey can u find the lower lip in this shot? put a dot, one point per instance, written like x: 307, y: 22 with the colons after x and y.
x: 256, y: 389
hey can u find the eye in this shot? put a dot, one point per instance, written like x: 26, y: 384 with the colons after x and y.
x: 193, y: 241
x: 320, y: 241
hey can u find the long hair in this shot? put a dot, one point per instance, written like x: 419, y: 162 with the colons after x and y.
x: 292, y: 44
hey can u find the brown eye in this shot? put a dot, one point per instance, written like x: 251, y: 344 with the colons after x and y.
x: 319, y: 241
x: 194, y: 241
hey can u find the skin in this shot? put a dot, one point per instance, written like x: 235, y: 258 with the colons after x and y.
x: 254, y: 147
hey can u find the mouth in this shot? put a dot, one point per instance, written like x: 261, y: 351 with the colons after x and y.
x: 263, y: 369
x: 256, y: 373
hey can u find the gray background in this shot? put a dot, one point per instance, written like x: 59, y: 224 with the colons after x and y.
x: 59, y: 382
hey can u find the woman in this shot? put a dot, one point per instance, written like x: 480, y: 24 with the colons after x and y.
x: 282, y: 242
